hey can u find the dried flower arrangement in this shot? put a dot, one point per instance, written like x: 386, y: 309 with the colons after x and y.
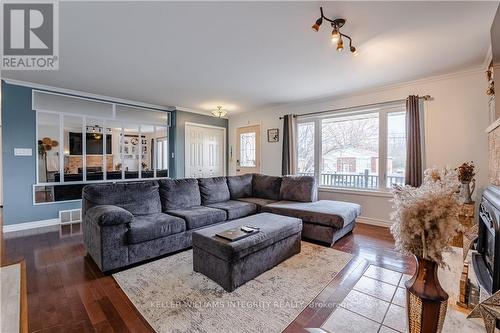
x: 466, y: 172
x: 425, y: 217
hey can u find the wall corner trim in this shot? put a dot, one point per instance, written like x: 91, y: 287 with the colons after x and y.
x: 372, y: 221
x: 30, y: 225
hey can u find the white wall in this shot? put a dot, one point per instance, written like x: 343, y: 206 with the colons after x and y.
x: 455, y: 123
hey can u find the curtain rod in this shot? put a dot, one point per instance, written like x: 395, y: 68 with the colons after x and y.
x: 425, y: 98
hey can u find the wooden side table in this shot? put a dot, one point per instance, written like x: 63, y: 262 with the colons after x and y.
x: 466, y: 219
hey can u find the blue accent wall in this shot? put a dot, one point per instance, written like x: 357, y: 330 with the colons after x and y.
x: 19, y: 172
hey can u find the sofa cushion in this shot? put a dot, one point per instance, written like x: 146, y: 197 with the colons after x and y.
x: 266, y: 187
x: 240, y: 186
x: 236, y: 209
x: 148, y: 227
x: 299, y: 188
x: 139, y: 198
x: 272, y: 229
x: 258, y: 201
x: 336, y: 214
x: 213, y: 190
x: 179, y: 193
x: 199, y: 216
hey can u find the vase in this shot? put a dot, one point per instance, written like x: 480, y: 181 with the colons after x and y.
x: 426, y: 300
x: 466, y: 191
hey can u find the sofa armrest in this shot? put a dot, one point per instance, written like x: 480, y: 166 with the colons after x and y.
x: 107, y: 215
x: 105, y: 235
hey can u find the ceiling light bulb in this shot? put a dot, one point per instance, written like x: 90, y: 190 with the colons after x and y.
x: 316, y: 25
x: 354, y: 51
x: 335, y: 35
x: 340, y: 45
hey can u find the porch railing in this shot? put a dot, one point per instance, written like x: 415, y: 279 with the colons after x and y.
x: 364, y: 180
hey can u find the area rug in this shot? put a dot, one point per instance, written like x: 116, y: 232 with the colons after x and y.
x: 10, y: 297
x: 174, y: 298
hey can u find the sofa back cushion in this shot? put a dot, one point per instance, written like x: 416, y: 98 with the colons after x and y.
x: 213, y: 190
x: 179, y: 193
x: 266, y: 187
x: 299, y: 188
x: 139, y: 198
x: 240, y: 186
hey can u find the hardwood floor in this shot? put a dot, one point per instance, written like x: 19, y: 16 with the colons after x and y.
x: 68, y: 293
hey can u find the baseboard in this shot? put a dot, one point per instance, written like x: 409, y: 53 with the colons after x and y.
x: 372, y: 221
x: 30, y: 225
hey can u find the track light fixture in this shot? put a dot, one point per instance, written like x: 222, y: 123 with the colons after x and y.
x: 336, y: 34
x: 317, y: 24
x: 340, y: 45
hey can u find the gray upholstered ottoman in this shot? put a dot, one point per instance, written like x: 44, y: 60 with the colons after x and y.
x: 231, y: 264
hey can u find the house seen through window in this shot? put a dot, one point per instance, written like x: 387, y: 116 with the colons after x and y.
x: 362, y: 149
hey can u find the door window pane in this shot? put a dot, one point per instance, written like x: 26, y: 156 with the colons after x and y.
x: 147, y: 138
x: 350, y: 146
x: 396, y: 148
x: 131, y: 151
x: 306, y: 149
x: 161, y: 152
x: 113, y: 130
x: 73, y: 148
x: 94, y: 146
x: 48, y: 147
x: 247, y: 150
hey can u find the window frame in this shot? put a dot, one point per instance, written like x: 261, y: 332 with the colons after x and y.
x: 112, y: 117
x: 383, y: 111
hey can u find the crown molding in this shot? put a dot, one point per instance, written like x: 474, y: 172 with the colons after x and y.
x: 86, y: 94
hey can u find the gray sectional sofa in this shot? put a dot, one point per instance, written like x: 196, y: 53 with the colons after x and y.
x: 128, y: 222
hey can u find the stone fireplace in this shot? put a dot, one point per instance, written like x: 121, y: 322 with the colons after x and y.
x: 494, y: 155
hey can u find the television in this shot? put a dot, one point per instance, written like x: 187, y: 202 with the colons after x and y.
x: 94, y: 144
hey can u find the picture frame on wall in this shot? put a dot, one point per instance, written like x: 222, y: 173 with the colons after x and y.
x: 273, y: 135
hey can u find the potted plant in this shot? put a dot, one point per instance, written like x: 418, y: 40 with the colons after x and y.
x: 466, y: 175
x: 425, y: 218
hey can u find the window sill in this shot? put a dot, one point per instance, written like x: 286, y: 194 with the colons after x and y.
x: 357, y: 191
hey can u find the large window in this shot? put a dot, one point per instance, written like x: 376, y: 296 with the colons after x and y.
x: 306, y: 148
x: 81, y: 141
x: 363, y: 149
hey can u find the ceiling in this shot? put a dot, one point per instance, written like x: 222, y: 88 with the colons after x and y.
x: 252, y: 55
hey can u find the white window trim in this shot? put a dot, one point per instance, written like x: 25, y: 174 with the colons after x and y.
x: 383, y: 110
x: 386, y: 193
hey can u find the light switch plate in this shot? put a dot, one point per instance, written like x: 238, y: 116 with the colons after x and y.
x: 23, y: 152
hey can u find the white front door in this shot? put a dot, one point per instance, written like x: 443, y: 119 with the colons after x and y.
x: 205, y: 151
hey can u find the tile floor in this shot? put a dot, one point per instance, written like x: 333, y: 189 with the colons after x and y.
x: 376, y: 304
